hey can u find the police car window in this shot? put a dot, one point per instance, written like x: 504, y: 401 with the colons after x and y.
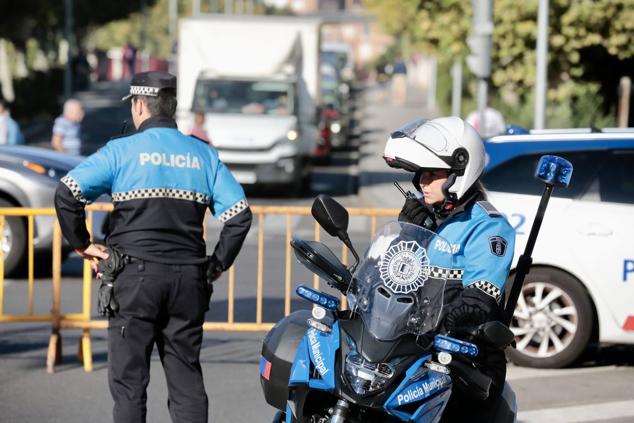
x: 516, y: 175
x: 617, y: 179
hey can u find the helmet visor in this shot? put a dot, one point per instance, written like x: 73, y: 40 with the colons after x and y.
x: 432, y: 136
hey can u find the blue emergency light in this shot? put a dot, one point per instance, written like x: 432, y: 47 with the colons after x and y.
x: 456, y: 346
x: 323, y: 300
x: 554, y: 171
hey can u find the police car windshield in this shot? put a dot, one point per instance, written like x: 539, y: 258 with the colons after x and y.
x: 400, y: 282
x: 244, y: 97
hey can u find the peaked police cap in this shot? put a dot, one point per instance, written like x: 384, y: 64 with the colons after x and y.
x: 150, y: 83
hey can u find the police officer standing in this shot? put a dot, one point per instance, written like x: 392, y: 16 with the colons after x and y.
x: 161, y: 182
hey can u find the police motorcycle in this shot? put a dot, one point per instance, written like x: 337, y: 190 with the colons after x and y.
x: 385, y: 359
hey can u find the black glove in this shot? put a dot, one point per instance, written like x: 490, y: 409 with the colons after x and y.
x: 471, y: 308
x: 106, y: 304
x: 415, y: 212
x: 464, y: 315
x: 109, y: 269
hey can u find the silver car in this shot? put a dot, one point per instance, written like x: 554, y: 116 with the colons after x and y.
x: 28, y: 178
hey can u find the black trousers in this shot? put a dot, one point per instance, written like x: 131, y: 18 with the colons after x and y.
x: 163, y: 304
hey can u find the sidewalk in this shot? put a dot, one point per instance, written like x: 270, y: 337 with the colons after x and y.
x: 380, y: 118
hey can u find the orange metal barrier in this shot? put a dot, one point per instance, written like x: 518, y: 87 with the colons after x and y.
x: 83, y: 320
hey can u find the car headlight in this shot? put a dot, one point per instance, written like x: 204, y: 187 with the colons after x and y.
x: 292, y: 135
x: 365, y: 377
x: 335, y: 127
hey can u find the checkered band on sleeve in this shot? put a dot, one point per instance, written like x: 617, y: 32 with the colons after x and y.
x: 442, y: 273
x: 233, y: 210
x: 140, y: 90
x: 488, y: 288
x: 73, y: 186
x: 177, y: 194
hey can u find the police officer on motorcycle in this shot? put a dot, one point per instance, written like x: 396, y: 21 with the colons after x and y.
x: 447, y: 158
x: 156, y: 284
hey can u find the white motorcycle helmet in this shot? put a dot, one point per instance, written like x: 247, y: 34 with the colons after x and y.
x: 443, y: 143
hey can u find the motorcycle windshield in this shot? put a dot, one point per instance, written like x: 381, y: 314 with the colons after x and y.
x: 400, y: 282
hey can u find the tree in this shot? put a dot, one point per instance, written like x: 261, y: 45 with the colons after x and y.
x: 22, y: 20
x: 153, y: 27
x: 583, y: 35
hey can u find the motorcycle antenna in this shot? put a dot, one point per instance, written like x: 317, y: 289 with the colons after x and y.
x: 554, y: 172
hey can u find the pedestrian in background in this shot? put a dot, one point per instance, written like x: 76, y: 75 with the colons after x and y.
x: 494, y: 123
x: 161, y: 182
x: 10, y: 133
x: 129, y: 55
x: 67, y: 129
x: 399, y: 83
x: 198, y: 130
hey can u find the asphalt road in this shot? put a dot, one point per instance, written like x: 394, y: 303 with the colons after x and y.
x: 599, y: 389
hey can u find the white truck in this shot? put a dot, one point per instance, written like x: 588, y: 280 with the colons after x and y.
x: 256, y: 79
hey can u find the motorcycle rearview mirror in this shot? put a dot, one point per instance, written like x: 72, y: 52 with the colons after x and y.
x: 333, y: 217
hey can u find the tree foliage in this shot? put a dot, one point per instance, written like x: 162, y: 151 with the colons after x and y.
x: 149, y: 31
x: 590, y: 43
x: 22, y: 20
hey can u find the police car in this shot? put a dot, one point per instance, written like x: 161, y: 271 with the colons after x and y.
x: 581, y: 287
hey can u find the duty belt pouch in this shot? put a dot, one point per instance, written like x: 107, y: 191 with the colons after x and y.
x: 109, y: 268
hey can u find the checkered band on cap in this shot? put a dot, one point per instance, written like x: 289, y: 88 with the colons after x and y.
x: 140, y: 90
x: 488, y: 288
x: 178, y: 194
x: 233, y: 210
x: 73, y: 186
x: 442, y: 273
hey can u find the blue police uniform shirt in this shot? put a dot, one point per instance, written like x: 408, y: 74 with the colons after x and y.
x: 482, y: 243
x: 161, y: 182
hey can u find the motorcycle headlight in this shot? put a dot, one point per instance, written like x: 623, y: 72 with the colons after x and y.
x: 335, y: 127
x: 365, y: 377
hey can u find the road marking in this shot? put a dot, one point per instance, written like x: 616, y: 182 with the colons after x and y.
x: 580, y: 413
x: 520, y: 373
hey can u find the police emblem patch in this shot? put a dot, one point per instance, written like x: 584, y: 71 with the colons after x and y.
x: 498, y: 245
x: 404, y: 267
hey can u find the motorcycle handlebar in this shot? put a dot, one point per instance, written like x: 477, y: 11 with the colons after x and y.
x: 470, y: 380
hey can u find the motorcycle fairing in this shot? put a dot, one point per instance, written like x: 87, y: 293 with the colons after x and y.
x: 420, y: 384
x: 316, y: 351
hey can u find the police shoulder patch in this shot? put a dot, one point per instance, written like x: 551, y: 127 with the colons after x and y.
x: 489, y: 209
x: 498, y: 245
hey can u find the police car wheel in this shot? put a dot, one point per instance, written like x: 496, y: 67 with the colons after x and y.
x: 552, y: 322
x: 13, y: 242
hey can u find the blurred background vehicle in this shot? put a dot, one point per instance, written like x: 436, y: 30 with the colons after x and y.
x: 28, y: 178
x: 336, y: 105
x: 260, y: 94
x: 580, y: 288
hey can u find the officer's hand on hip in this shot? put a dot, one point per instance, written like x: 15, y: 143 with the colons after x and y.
x: 92, y: 252
x: 213, y: 276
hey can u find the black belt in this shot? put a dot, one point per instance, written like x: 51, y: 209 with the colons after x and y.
x: 173, y: 266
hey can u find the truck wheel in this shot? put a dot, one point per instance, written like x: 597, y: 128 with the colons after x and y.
x: 13, y: 242
x: 552, y: 321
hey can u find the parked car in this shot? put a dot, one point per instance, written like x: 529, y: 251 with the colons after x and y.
x: 28, y: 178
x: 581, y: 286
x: 336, y: 106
